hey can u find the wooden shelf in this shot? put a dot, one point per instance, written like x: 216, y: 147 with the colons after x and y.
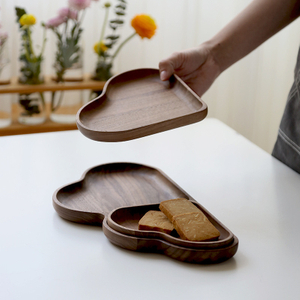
x: 48, y: 86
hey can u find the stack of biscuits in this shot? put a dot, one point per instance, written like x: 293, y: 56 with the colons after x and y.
x: 184, y: 217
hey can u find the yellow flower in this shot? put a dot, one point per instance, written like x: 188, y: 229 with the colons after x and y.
x: 27, y: 20
x: 144, y: 26
x: 100, y: 47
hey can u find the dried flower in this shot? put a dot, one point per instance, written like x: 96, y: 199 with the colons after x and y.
x: 144, y: 26
x: 27, y: 20
x: 79, y: 4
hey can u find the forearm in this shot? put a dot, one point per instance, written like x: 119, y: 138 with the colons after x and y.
x: 260, y: 20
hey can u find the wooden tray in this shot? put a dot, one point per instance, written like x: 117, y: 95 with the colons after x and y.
x: 125, y: 220
x: 190, y: 255
x: 105, y: 188
x: 136, y: 104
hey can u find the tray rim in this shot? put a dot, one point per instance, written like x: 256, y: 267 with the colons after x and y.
x: 166, y: 237
x: 109, y: 136
x: 201, y: 254
x: 64, y: 210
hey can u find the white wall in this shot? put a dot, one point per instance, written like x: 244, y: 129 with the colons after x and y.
x: 249, y: 97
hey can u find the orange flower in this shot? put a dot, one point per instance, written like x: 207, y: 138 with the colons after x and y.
x: 144, y: 26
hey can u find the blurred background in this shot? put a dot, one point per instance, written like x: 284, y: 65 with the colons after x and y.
x: 249, y: 97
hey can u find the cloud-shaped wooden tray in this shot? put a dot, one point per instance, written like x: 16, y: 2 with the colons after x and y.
x: 116, y: 194
x: 137, y: 103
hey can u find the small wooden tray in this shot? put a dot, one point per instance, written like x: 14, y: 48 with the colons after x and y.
x: 105, y: 188
x: 137, y: 103
x: 190, y: 255
x: 125, y: 220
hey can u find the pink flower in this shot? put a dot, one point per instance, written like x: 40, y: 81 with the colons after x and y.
x: 67, y: 13
x: 79, y: 4
x: 55, y: 22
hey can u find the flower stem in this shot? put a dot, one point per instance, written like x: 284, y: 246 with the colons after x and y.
x: 104, y: 24
x: 30, y: 43
x: 121, y: 45
x: 44, y: 43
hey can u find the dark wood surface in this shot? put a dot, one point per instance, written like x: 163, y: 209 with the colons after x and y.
x: 125, y: 220
x: 136, y: 104
x: 190, y: 255
x: 105, y: 188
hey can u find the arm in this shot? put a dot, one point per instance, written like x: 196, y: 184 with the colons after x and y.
x: 260, y: 20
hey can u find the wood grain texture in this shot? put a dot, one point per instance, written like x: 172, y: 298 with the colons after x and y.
x: 136, y: 104
x: 107, y: 187
x: 190, y: 255
x: 125, y: 220
x: 131, y: 189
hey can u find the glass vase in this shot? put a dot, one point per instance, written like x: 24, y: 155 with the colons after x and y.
x: 32, y: 109
x: 64, y: 106
x: 5, y: 110
x: 5, y: 99
x: 66, y: 103
x: 102, y: 71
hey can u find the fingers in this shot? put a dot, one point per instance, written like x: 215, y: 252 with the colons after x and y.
x: 167, y: 67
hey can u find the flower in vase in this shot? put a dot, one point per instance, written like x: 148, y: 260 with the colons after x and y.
x: 31, y: 64
x: 143, y: 25
x: 30, y: 60
x: 100, y: 47
x: 68, y: 13
x: 55, y: 22
x: 27, y: 20
x: 67, y: 28
x: 79, y: 4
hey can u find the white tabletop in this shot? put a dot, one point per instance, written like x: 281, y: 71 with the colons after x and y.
x: 45, y: 257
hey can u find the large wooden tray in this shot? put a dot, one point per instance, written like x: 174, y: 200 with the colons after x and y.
x: 137, y: 103
x: 104, y: 191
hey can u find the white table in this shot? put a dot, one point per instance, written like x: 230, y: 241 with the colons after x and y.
x: 45, y: 257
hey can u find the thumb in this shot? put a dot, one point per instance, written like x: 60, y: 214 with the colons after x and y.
x: 168, y: 66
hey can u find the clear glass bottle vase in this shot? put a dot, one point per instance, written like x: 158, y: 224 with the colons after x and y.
x: 66, y: 103
x: 32, y: 110
x: 5, y: 99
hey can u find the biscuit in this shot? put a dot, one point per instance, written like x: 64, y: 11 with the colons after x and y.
x: 195, y: 226
x: 178, y: 206
x: 155, y: 220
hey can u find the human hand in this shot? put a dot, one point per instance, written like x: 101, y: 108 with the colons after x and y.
x: 196, y: 67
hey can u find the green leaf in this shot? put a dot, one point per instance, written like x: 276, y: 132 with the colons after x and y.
x: 19, y: 13
x: 112, y: 37
x: 117, y: 22
x: 121, y: 6
x: 119, y: 13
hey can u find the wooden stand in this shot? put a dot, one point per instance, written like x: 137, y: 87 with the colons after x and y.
x: 48, y: 86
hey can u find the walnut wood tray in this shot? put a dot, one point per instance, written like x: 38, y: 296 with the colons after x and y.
x: 103, y: 191
x: 137, y: 103
x: 125, y: 220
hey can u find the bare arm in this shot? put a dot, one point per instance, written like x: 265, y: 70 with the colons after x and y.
x: 260, y: 20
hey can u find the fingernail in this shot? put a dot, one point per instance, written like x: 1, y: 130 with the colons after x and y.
x: 163, y: 75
